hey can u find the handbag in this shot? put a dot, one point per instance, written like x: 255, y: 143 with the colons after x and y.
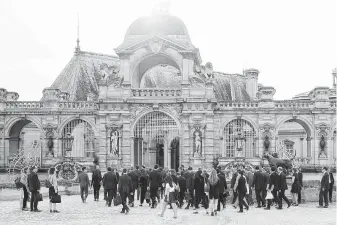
x: 147, y: 195
x: 226, y: 194
x: 18, y: 183
x: 117, y: 200
x: 56, y: 198
x: 39, y: 197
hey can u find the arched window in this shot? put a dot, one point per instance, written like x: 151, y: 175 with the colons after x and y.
x: 78, y: 139
x: 240, y: 132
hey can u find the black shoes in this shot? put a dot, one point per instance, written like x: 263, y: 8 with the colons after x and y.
x: 279, y: 208
x: 37, y: 210
x: 24, y: 209
x: 267, y: 208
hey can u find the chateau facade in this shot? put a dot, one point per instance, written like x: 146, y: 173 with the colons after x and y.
x: 157, y: 103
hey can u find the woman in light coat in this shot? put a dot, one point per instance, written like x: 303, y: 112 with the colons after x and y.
x: 24, y: 192
x: 53, y: 190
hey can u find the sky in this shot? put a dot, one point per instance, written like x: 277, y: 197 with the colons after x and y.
x: 292, y: 43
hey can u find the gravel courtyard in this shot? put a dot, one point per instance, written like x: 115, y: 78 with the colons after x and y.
x: 73, y: 211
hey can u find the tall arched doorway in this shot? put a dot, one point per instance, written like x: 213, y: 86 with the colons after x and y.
x: 78, y: 139
x: 24, y: 144
x: 155, y: 140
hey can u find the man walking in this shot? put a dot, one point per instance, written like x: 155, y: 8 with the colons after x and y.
x: 266, y: 180
x: 137, y: 173
x: 190, y: 186
x: 84, y: 184
x: 110, y: 185
x: 250, y: 176
x: 124, y: 189
x: 274, y: 187
x: 134, y: 179
x: 96, y: 182
x: 182, y: 187
x: 323, y: 193
x: 222, y: 188
x: 300, y: 180
x: 258, y: 183
x: 233, y: 180
x: 154, y: 185
x: 34, y: 187
x: 331, y: 183
x: 283, y: 187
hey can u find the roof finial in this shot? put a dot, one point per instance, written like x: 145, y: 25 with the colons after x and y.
x: 77, y: 49
x: 161, y: 7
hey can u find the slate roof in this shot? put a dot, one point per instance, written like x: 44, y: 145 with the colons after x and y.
x: 81, y: 74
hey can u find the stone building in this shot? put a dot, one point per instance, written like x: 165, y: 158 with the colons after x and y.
x: 157, y: 103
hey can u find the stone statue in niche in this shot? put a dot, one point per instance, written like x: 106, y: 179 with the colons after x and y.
x: 114, y: 143
x: 266, y: 143
x: 197, y: 143
x: 50, y: 144
x: 322, y: 145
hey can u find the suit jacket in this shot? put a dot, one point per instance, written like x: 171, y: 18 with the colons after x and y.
x: 143, y: 180
x: 199, y: 186
x: 241, y: 188
x: 155, y: 179
x: 182, y: 183
x: 283, y: 182
x: 325, y: 181
x: 249, y: 177
x: 233, y: 180
x: 300, y: 178
x: 134, y: 179
x: 125, y: 184
x: 332, y: 179
x: 266, y: 180
x: 96, y: 178
x: 34, y: 182
x: 83, y: 179
x: 222, y: 182
x: 258, y: 180
x: 190, y: 180
x: 110, y: 181
x: 274, y: 180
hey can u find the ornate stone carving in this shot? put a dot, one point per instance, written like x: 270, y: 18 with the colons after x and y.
x: 110, y: 75
x: 176, y: 109
x: 267, y: 130
x: 50, y: 94
x: 205, y: 71
x: 12, y: 96
x: 136, y: 109
x: 323, y: 128
x: 3, y: 94
x: 50, y: 130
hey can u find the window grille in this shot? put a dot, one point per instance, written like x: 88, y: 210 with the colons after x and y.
x: 78, y: 139
x: 232, y: 131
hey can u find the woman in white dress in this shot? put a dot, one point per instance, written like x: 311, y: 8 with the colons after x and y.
x: 170, y: 196
x: 53, y: 190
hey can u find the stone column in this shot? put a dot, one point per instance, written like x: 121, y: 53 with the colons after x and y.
x: 2, y: 147
x: 101, y: 150
x: 301, y: 146
x: 126, y: 144
x: 308, y: 147
x: 132, y: 149
x: 166, y: 164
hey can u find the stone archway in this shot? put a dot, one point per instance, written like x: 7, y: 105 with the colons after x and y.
x: 153, y: 135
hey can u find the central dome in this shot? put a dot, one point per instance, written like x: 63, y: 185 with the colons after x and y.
x: 160, y: 23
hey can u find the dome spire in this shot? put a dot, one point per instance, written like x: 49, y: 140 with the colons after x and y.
x: 161, y: 7
x: 78, y: 48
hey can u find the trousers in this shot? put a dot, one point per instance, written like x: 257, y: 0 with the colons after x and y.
x: 281, y: 196
x: 33, y: 200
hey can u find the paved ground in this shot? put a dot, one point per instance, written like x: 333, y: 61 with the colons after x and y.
x: 73, y: 211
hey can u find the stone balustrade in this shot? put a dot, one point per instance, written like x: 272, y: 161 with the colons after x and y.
x: 302, y: 160
x: 230, y: 104
x: 294, y: 104
x: 333, y: 104
x: 13, y: 105
x: 79, y: 105
x: 139, y: 92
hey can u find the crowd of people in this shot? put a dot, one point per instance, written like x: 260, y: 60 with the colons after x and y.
x: 195, y: 189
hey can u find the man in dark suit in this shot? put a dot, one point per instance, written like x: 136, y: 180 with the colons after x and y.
x: 300, y: 180
x: 124, y: 189
x: 266, y: 180
x: 241, y: 190
x: 134, y: 179
x: 110, y: 184
x: 154, y: 185
x: 283, y: 187
x: 182, y: 187
x: 233, y: 180
x: 222, y: 188
x: 137, y: 172
x: 83, y: 179
x: 190, y: 186
x: 274, y: 185
x: 331, y: 183
x: 96, y: 182
x: 258, y: 183
x: 34, y: 187
x: 323, y: 193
